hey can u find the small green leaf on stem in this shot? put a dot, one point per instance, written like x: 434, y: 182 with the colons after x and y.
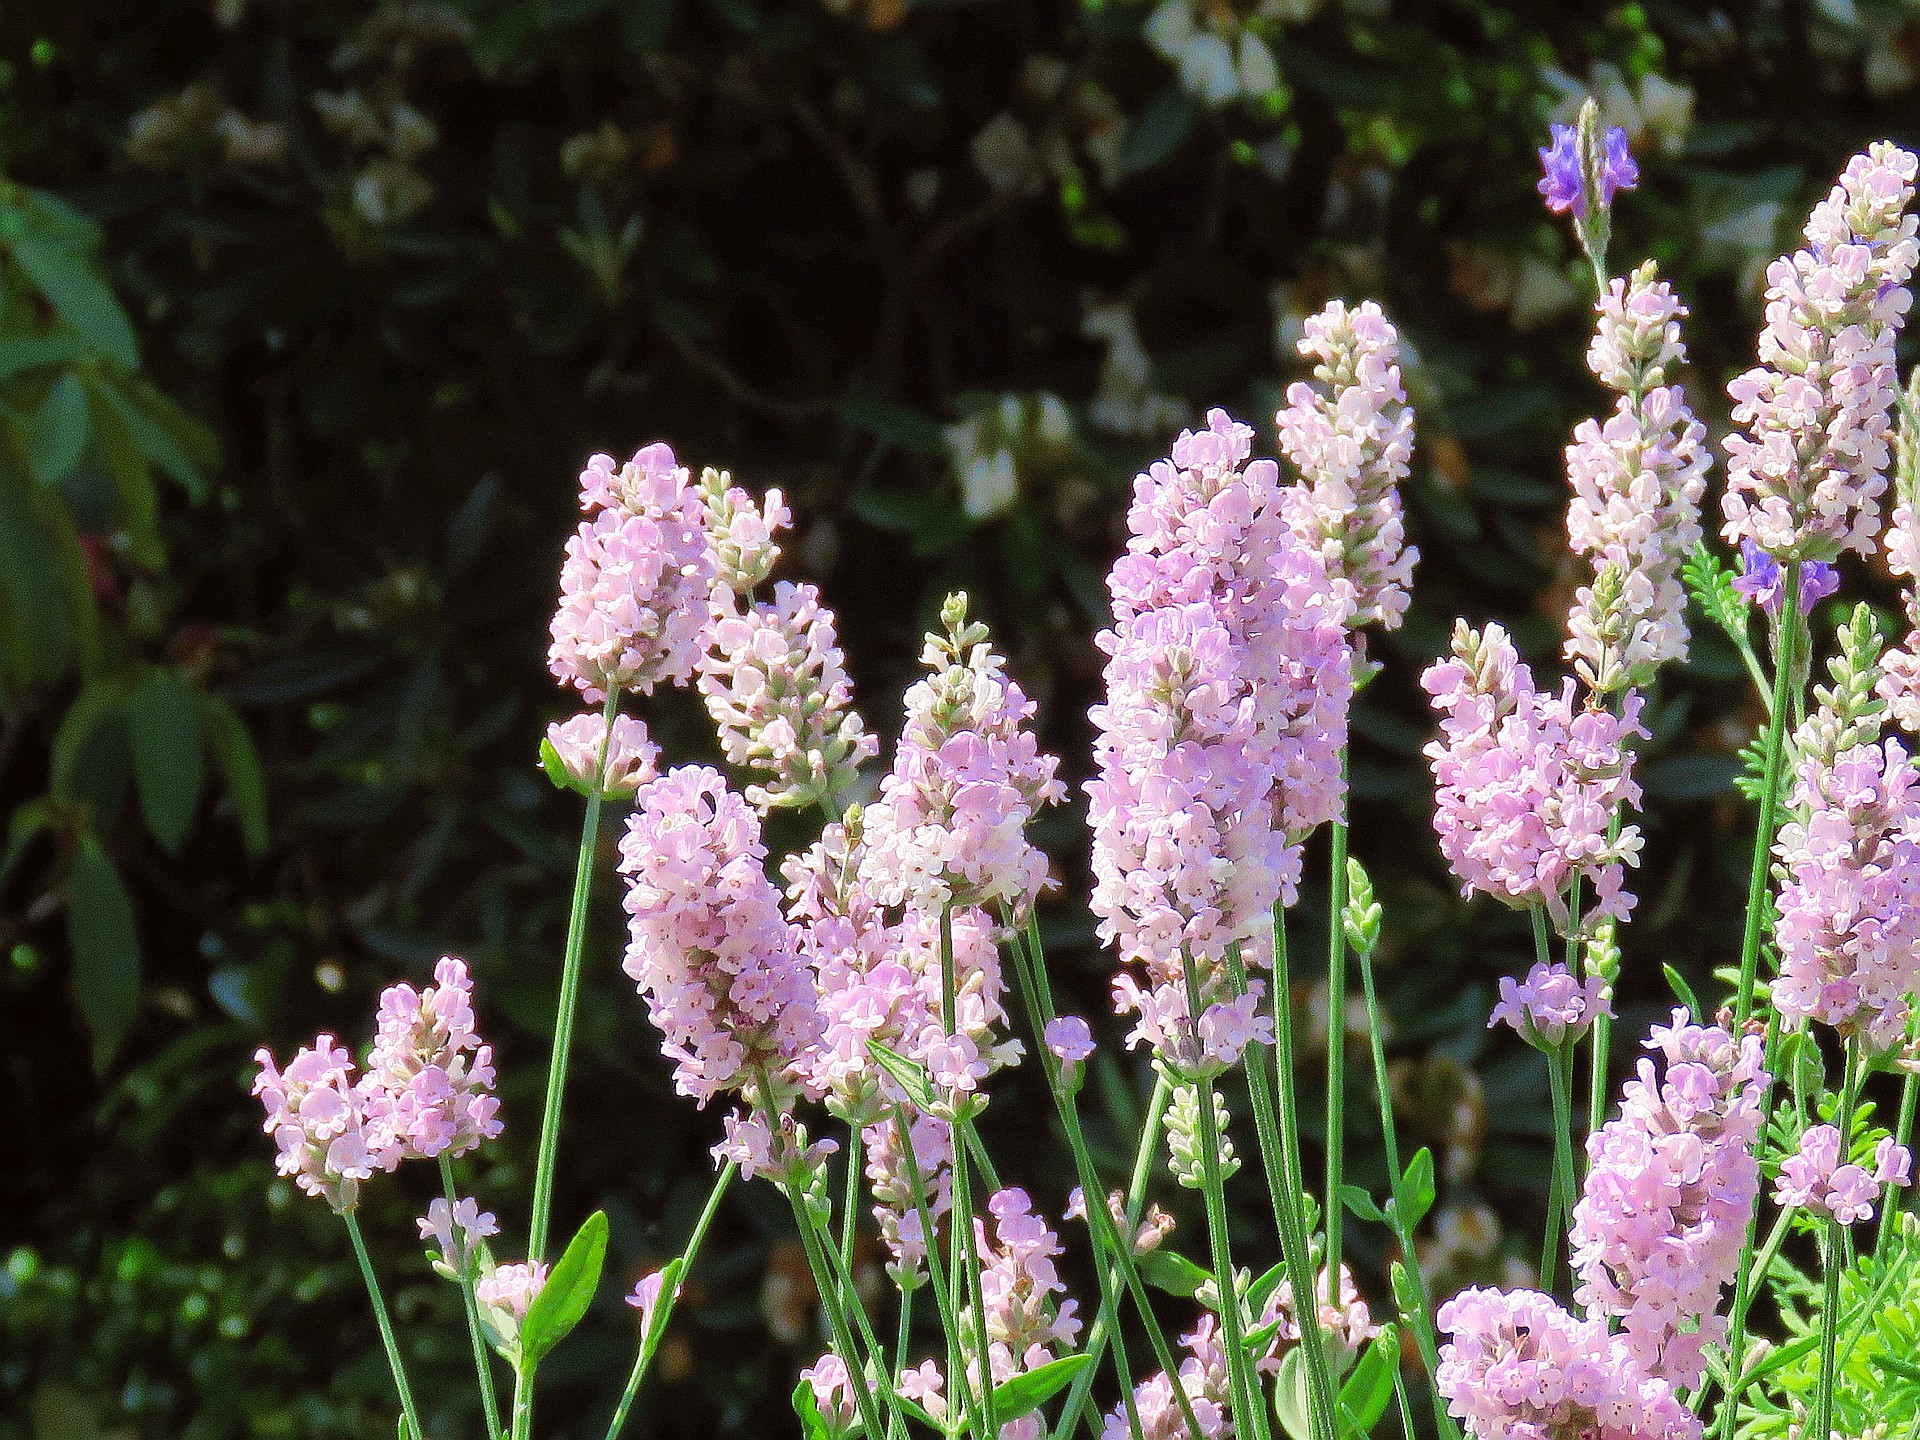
x: 569, y: 1290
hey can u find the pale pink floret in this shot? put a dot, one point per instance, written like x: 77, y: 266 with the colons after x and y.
x: 429, y: 1080
x: 708, y: 946
x: 1218, y: 748
x: 897, y: 1194
x: 740, y: 531
x: 1527, y: 783
x: 631, y: 756
x: 318, y: 1119
x: 1070, y: 1039
x: 1637, y: 479
x: 1027, y: 1323
x: 1518, y: 1367
x: 1657, y: 1234
x: 508, y: 1292
x: 1204, y: 1381
x: 950, y: 824
x: 1550, y: 1006
x: 636, y: 580
x: 1348, y: 1324
x: 1352, y: 443
x: 1807, y: 468
x: 1900, y: 668
x: 776, y: 686
x: 1849, y: 931
x: 1815, y: 1178
x: 457, y: 1230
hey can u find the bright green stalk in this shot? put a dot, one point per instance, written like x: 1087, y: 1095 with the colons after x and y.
x: 1280, y: 1163
x: 669, y: 1297
x: 830, y: 1302
x: 960, y: 1387
x: 1903, y: 1127
x: 962, y: 1262
x: 1422, y: 1320
x: 1560, y: 1188
x: 1249, y: 1409
x: 386, y: 1326
x: 1829, y: 1330
x: 482, y: 1365
x: 1750, y: 1274
x: 1336, y: 1042
x: 850, y: 1201
x: 569, y: 996
x: 1777, y: 726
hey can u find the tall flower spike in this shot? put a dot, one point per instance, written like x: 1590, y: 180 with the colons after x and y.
x: 1637, y: 480
x: 1218, y: 745
x: 636, y: 579
x: 1849, y: 931
x: 1527, y: 783
x: 776, y: 686
x: 950, y: 825
x: 709, y: 948
x: 1518, y: 1367
x: 1805, y: 478
x: 1658, y: 1231
x: 429, y: 1080
x: 1352, y: 444
x: 317, y: 1116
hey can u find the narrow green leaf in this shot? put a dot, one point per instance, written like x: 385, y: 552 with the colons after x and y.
x: 1023, y: 1394
x: 1362, y: 1204
x: 911, y: 1076
x: 106, y: 948
x: 163, y: 719
x: 239, y: 762
x: 569, y: 1290
x: 132, y: 475
x: 37, y: 624
x: 81, y: 297
x: 91, y: 708
x: 1413, y: 1195
x: 1291, y: 1405
x: 1172, y: 1272
x: 813, y: 1425
x: 155, y: 439
x: 30, y: 352
x: 1683, y: 990
x: 1364, y: 1396
x: 58, y: 432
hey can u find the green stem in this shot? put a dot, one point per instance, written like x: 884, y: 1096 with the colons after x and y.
x: 850, y: 1200
x: 1777, y: 726
x: 669, y: 1297
x: 381, y: 1319
x: 1559, y: 1063
x: 960, y: 1387
x: 1749, y: 1275
x: 1277, y: 1127
x: 962, y: 1261
x: 1903, y: 1127
x: 1336, y: 1045
x: 1422, y: 1319
x: 569, y: 996
x: 1248, y: 1410
x: 1829, y: 1331
x: 483, y: 1367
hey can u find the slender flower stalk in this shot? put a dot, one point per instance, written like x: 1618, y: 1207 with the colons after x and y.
x: 385, y: 1324
x: 482, y: 1364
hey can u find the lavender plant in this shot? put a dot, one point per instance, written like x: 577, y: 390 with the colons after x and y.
x: 850, y: 1024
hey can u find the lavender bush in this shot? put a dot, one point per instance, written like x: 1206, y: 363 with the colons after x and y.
x: 848, y: 1023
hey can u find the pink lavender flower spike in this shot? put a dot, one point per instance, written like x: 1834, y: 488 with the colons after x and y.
x: 832, y: 1391
x: 708, y: 946
x: 1637, y: 479
x: 1807, y: 466
x: 456, y: 1232
x: 740, y: 531
x: 1203, y: 1379
x: 1018, y: 1283
x: 1518, y: 1367
x: 1849, y: 931
x: 1550, y: 1007
x: 1228, y: 675
x: 950, y: 824
x: 1900, y: 681
x: 1528, y: 783
x: 317, y: 1116
x: 1668, y: 1197
x: 1352, y: 444
x: 897, y: 1191
x: 776, y: 686
x: 632, y: 757
x: 1815, y: 1178
x: 1348, y: 1325
x: 429, y: 1081
x: 636, y: 580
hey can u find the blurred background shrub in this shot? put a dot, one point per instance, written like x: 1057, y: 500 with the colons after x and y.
x: 949, y: 273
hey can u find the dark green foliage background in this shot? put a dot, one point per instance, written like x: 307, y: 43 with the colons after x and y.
x: 795, y: 269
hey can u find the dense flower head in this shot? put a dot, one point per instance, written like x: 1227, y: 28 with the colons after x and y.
x: 456, y: 1231
x: 1528, y: 783
x: 1352, y: 443
x: 1637, y: 478
x: 1218, y: 745
x: 878, y: 980
x: 1849, y: 931
x: 1900, y: 679
x: 777, y: 1150
x: 429, y: 1080
x: 631, y: 755
x: 636, y: 579
x: 1203, y: 1381
x: 1551, y: 1006
x: 1516, y: 1366
x: 1807, y: 466
x: 1563, y: 181
x: 1657, y: 1233
x: 776, y: 686
x: 317, y: 1116
x: 709, y: 947
x: 741, y: 532
x: 950, y: 824
x: 1026, y: 1325
x: 1816, y: 1178
x: 507, y: 1292
x: 1760, y: 580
